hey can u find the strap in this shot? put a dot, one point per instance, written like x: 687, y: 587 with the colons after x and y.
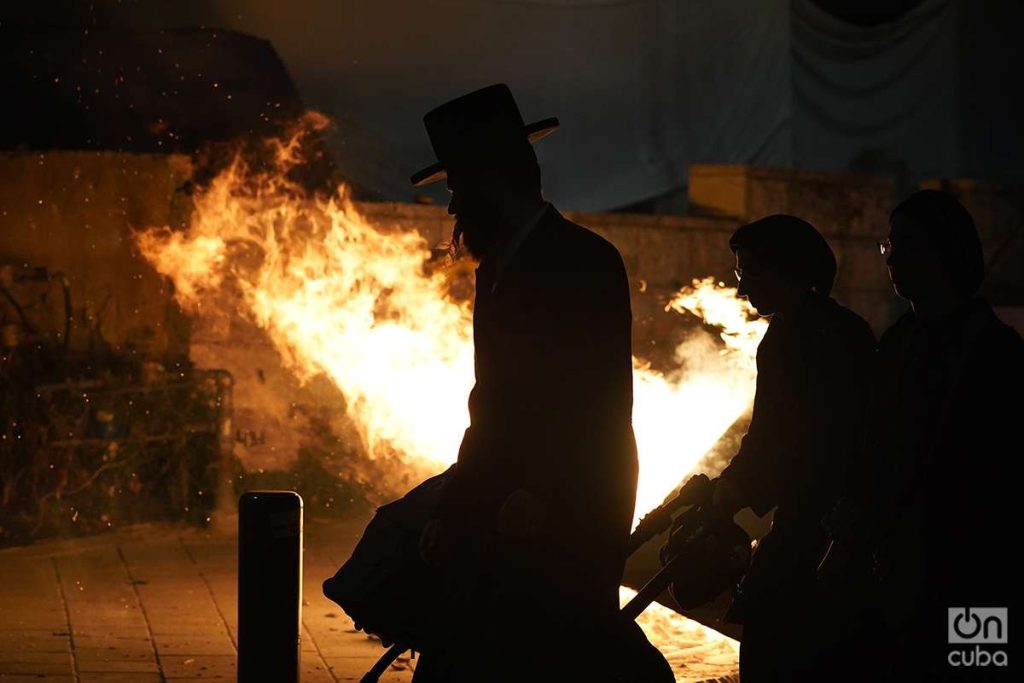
x: 386, y: 660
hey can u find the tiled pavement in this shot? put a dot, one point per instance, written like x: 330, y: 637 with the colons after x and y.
x: 158, y: 603
x: 152, y: 604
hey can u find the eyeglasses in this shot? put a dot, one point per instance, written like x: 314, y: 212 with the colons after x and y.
x: 908, y: 244
x: 740, y: 273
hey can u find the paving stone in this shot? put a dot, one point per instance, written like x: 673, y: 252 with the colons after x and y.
x: 141, y: 653
x: 36, y: 663
x: 122, y: 677
x: 36, y: 640
x: 199, y: 666
x: 177, y: 645
x: 116, y: 665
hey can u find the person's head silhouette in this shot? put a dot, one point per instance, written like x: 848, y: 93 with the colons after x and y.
x: 779, y: 259
x: 933, y: 252
x: 484, y: 149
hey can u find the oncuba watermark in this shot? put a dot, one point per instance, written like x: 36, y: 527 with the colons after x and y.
x: 984, y: 628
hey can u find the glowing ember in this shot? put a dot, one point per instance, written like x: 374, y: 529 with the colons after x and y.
x: 360, y: 305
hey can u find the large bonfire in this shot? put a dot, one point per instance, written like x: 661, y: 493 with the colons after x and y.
x: 364, y: 306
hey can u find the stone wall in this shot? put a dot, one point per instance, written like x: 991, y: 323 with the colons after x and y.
x: 71, y: 213
x: 663, y: 253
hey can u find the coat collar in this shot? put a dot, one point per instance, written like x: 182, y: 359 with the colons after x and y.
x: 513, y: 248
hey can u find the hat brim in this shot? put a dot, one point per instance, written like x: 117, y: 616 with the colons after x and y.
x: 435, y: 172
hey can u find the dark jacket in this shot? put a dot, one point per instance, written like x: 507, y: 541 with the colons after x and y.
x: 948, y: 415
x: 813, y: 379
x: 551, y: 408
x: 813, y: 384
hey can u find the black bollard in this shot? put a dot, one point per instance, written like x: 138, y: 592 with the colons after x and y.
x: 269, y: 586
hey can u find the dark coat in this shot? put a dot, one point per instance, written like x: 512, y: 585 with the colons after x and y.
x: 813, y: 379
x: 551, y: 411
x: 949, y: 405
x: 810, y: 407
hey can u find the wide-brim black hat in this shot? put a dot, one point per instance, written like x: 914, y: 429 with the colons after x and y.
x: 483, y: 124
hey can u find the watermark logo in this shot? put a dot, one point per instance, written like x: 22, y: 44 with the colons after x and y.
x: 982, y: 625
x: 982, y: 628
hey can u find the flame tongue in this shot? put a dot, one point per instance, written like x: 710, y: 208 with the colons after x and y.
x: 336, y: 296
x: 680, y: 415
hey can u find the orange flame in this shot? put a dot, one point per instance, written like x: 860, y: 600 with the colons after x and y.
x: 337, y: 297
x: 680, y: 415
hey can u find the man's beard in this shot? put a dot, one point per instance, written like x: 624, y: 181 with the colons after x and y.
x: 479, y: 241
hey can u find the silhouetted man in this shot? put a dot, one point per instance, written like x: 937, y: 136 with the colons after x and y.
x: 946, y: 436
x: 812, y: 385
x: 533, y: 524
